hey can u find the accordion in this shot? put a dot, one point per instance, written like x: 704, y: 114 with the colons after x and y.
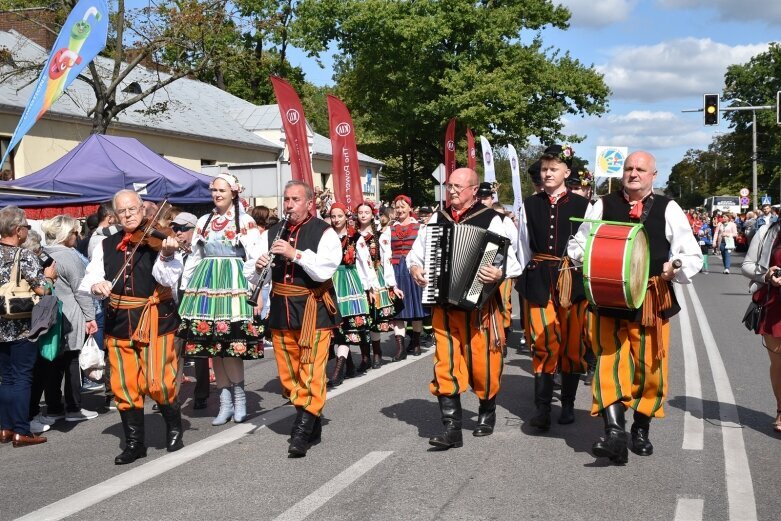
x: 453, y: 255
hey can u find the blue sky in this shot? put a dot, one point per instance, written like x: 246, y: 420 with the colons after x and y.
x: 658, y: 57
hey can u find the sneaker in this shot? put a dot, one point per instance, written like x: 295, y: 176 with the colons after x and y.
x: 45, y: 420
x: 52, y: 417
x: 37, y: 427
x: 726, y: 271
x: 81, y: 415
x: 91, y: 386
x: 110, y: 403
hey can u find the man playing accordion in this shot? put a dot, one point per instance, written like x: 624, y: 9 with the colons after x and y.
x: 468, y: 343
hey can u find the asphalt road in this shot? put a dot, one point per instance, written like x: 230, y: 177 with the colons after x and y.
x: 715, y: 453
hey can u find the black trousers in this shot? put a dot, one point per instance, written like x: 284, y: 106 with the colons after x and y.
x: 47, y: 382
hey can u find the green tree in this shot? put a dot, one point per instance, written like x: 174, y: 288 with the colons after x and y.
x: 406, y: 68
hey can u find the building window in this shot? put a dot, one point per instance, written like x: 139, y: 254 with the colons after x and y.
x: 7, y: 169
x: 208, y: 162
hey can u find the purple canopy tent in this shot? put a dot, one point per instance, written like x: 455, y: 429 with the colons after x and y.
x: 102, y: 165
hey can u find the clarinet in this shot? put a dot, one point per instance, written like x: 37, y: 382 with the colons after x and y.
x: 253, y: 299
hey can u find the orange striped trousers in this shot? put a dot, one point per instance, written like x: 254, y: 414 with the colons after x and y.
x: 462, y: 357
x: 506, y: 290
x: 138, y: 371
x: 303, y: 384
x: 555, y: 335
x: 627, y: 368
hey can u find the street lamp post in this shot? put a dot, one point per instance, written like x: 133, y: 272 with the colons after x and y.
x: 753, y: 110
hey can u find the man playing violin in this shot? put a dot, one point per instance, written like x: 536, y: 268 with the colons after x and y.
x: 141, y: 320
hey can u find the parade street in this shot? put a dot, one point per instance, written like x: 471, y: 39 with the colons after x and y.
x: 714, y: 454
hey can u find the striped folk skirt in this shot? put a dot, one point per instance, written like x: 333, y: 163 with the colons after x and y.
x: 382, y: 312
x: 216, y: 318
x: 353, y: 306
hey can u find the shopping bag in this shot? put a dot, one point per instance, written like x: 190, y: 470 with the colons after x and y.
x: 91, y: 359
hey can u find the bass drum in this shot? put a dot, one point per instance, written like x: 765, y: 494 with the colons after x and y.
x: 616, y: 265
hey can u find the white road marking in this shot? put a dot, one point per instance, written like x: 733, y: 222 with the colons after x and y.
x: 740, y: 490
x: 341, y: 481
x: 693, y: 423
x: 687, y: 509
x: 84, y: 499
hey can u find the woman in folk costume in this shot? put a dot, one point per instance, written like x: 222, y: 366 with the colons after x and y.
x: 382, y: 310
x: 404, y: 231
x: 217, y: 321
x: 355, y: 282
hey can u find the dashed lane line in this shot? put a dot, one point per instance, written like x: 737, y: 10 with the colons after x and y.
x: 84, y: 499
x: 341, y: 481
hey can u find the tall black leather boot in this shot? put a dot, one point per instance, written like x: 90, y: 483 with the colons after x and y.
x: 349, y: 364
x: 450, y: 408
x: 543, y: 394
x: 172, y: 414
x: 302, y: 431
x: 414, y: 343
x: 366, y: 357
x: 133, y: 425
x: 338, y: 376
x: 377, y: 354
x: 569, y: 388
x: 641, y: 445
x: 613, y: 444
x: 401, y: 353
x: 486, y: 418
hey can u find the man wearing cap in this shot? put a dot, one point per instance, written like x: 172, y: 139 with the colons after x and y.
x: 424, y: 214
x: 554, y: 297
x: 485, y: 194
x: 631, y: 345
x: 184, y: 225
x: 468, y: 343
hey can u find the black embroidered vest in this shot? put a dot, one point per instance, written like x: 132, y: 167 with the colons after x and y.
x: 136, y: 282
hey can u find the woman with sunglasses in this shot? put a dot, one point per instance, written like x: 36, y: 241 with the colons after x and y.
x: 217, y: 320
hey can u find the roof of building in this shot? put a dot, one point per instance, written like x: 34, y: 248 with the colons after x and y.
x: 185, y: 107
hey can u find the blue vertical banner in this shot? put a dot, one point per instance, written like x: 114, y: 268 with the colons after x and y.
x: 82, y: 37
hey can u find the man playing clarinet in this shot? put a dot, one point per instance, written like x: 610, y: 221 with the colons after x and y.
x: 468, y: 343
x: 303, y: 312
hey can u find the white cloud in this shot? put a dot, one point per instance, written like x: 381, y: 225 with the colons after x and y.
x: 672, y: 69
x: 665, y: 134
x: 601, y: 13
x: 766, y: 11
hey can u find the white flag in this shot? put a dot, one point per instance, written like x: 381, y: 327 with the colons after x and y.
x: 488, y: 161
x: 516, y: 176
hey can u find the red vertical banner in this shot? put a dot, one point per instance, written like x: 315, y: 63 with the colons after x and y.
x: 294, y: 124
x: 344, y: 166
x: 450, y: 148
x: 471, y: 153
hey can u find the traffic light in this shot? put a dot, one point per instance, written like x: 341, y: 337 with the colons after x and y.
x: 711, y: 106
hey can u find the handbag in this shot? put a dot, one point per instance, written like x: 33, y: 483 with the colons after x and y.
x: 17, y: 299
x: 753, y: 315
x: 729, y: 243
x: 50, y: 343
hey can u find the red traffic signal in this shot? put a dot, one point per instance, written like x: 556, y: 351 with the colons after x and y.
x: 711, y: 109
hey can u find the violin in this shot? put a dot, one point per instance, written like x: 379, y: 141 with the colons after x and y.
x: 152, y: 235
